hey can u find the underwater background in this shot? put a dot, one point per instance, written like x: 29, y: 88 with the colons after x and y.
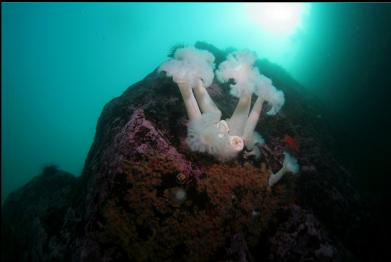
x: 61, y: 63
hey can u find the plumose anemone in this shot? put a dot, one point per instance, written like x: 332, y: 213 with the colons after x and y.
x: 192, y: 70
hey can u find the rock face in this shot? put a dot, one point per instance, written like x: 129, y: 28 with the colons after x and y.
x: 38, y: 219
x: 143, y: 196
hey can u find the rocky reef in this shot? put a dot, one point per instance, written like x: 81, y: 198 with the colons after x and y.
x: 143, y: 196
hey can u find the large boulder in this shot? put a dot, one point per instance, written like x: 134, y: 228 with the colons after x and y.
x: 143, y: 196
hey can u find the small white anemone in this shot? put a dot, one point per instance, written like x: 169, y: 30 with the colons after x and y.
x: 253, y: 144
x: 210, y: 135
x: 180, y: 194
x: 236, y: 143
x: 290, y: 165
x: 203, y: 134
x: 230, y: 148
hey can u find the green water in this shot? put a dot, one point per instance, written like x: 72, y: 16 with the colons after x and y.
x: 62, y: 62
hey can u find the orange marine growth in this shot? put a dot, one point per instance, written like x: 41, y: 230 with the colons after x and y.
x: 291, y: 143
